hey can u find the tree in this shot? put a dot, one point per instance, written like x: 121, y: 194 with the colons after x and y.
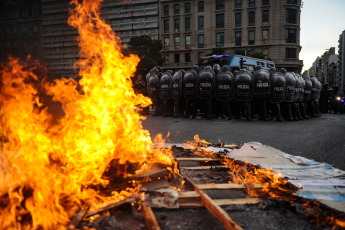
x: 148, y: 51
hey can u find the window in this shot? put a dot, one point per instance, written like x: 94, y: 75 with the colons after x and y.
x: 200, y: 41
x: 35, y: 29
x: 291, y: 1
x: 219, y: 39
x: 177, y: 25
x: 187, y: 39
x: 219, y: 21
x: 201, y: 23
x: 187, y: 57
x: 166, y: 10
x: 25, y: 29
x: 290, y: 53
x: 251, y: 18
x: 187, y: 8
x: 238, y: 19
x: 177, y: 9
x: 265, y: 37
x: 238, y: 38
x: 166, y: 58
x: 25, y: 13
x: 290, y: 35
x: 251, y: 3
x: 166, y: 26
x: 251, y: 37
x: 265, y: 2
x: 166, y: 42
x: 187, y: 24
x: 291, y: 16
x: 177, y: 42
x: 265, y: 16
x: 177, y: 58
x: 201, y: 6
x: 238, y: 4
x: 220, y: 5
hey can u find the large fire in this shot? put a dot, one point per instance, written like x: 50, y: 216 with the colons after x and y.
x: 48, y: 168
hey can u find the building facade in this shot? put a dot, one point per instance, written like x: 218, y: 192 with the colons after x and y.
x: 126, y: 18
x: 21, y: 29
x: 341, y: 62
x: 193, y: 28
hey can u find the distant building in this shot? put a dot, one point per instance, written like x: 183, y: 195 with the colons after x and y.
x: 190, y: 29
x: 332, y: 70
x: 126, y: 18
x: 322, y: 65
x: 20, y: 29
x: 341, y: 62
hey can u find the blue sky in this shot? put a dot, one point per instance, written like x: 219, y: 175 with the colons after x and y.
x: 322, y: 21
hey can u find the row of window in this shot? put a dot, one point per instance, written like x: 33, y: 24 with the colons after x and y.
x: 289, y: 38
x: 220, y: 20
x: 220, y: 5
x: 26, y: 29
x: 289, y: 53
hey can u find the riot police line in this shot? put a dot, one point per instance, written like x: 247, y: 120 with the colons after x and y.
x: 213, y: 92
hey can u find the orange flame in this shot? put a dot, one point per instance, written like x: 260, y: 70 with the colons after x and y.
x: 45, y: 168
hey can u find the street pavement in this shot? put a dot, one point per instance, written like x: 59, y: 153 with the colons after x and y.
x: 321, y: 139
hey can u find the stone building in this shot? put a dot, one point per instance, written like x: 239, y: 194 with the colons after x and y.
x: 341, y: 62
x: 126, y: 18
x: 193, y: 28
x: 20, y: 29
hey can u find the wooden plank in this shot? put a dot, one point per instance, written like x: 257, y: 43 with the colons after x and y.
x: 226, y: 186
x: 188, y: 194
x: 215, y: 209
x: 203, y: 167
x: 220, y: 202
x: 197, y: 159
x: 150, y: 218
x: 110, y: 206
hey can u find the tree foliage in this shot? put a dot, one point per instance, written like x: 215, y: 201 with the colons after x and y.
x: 148, y: 51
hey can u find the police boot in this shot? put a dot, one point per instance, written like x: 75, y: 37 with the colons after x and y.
x: 288, y: 112
x: 303, y: 113
x: 263, y: 111
x: 248, y: 112
x: 311, y: 109
x: 278, y: 113
x: 294, y: 111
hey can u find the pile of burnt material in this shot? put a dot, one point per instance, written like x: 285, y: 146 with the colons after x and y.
x: 212, y: 197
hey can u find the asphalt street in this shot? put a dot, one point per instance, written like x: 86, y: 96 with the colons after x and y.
x: 321, y: 139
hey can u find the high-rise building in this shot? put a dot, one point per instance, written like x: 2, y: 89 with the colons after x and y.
x: 126, y: 18
x: 193, y: 28
x: 20, y: 29
x: 341, y: 62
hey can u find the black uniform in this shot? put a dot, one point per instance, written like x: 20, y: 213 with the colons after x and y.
x: 224, y: 90
x: 261, y: 91
x: 277, y: 93
x: 190, y: 92
x: 206, y: 88
x: 177, y: 92
x: 244, y: 92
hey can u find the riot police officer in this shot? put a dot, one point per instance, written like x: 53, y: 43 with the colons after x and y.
x: 165, y: 93
x: 224, y: 90
x: 190, y: 91
x: 153, y: 89
x: 306, y: 97
x: 277, y: 93
x: 244, y: 92
x: 177, y: 92
x: 261, y: 79
x: 289, y: 97
x: 207, y: 89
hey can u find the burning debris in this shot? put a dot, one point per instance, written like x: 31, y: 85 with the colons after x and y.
x: 96, y: 166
